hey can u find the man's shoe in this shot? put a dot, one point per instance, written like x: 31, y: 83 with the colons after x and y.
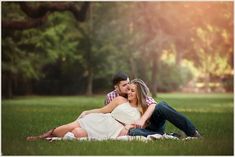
x: 197, y: 134
x: 179, y: 134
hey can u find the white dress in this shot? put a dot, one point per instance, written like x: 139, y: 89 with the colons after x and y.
x: 105, y: 126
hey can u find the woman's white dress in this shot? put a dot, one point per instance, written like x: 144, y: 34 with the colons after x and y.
x: 104, y: 126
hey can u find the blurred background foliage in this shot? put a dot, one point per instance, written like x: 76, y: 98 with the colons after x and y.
x: 172, y: 46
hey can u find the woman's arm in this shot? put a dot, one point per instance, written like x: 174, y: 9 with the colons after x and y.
x: 106, y: 109
x: 140, y: 123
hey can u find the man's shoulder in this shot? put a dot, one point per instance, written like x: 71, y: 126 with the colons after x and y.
x: 110, y: 96
x: 150, y: 100
x: 112, y: 93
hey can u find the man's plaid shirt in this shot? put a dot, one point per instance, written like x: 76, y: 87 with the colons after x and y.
x: 110, y: 96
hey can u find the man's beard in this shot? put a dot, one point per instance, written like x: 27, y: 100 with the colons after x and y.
x: 123, y: 95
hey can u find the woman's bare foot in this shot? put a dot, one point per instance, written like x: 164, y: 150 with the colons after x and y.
x: 43, y: 136
x: 32, y: 138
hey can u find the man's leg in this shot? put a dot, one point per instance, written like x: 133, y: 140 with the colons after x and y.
x: 156, y: 125
x: 156, y: 122
x: 164, y: 111
x: 141, y: 132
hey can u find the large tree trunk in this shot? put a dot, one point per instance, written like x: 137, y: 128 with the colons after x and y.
x: 89, y: 83
x: 7, y: 86
x: 9, y: 89
x: 178, y: 56
x: 133, y: 68
x: 28, y: 87
x: 143, y: 71
x: 154, y: 75
x: 207, y: 83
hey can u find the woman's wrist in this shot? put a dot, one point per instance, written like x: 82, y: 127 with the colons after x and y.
x: 126, y: 127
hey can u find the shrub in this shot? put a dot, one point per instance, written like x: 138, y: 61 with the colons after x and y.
x: 171, y: 76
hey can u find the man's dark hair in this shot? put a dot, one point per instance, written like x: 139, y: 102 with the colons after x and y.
x: 119, y: 76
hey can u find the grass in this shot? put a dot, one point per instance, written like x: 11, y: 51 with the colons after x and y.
x: 23, y: 116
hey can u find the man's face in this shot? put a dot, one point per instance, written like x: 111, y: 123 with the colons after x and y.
x: 123, y: 87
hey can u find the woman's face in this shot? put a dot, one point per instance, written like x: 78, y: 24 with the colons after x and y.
x: 132, y: 92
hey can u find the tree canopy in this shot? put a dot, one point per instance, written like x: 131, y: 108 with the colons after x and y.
x: 76, y: 47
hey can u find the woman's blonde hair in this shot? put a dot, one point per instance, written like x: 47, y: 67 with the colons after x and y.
x: 142, y: 93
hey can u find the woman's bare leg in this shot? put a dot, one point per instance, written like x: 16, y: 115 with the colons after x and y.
x: 123, y: 132
x: 79, y: 132
x: 42, y: 136
x: 62, y: 130
x: 56, y: 132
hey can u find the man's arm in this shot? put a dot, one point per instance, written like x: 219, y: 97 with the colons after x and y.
x: 106, y: 109
x: 107, y: 100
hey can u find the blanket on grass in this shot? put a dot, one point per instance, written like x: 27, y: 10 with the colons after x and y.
x: 70, y: 136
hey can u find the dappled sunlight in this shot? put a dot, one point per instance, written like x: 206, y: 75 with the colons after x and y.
x: 70, y: 55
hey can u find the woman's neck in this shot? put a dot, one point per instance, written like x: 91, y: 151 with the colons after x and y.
x: 133, y: 103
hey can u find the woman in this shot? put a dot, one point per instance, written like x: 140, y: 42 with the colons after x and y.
x: 110, y: 121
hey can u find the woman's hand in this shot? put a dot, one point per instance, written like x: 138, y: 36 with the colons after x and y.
x: 129, y: 126
x: 139, y: 123
x: 83, y: 114
x: 125, y: 130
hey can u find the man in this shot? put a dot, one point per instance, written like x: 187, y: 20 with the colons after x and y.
x: 120, y: 82
x: 156, y: 114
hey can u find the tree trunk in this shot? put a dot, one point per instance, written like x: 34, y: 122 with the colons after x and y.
x: 89, y: 83
x: 133, y: 68
x: 207, y: 82
x: 178, y: 57
x: 7, y: 84
x: 143, y: 70
x: 9, y: 89
x: 28, y: 87
x: 154, y: 76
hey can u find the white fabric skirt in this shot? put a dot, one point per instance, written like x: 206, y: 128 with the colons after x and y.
x: 100, y: 126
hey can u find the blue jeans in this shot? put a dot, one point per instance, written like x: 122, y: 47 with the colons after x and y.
x: 156, y: 125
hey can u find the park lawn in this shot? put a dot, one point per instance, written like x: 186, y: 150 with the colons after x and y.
x: 23, y: 116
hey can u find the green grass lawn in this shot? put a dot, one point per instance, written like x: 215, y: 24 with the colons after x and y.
x: 23, y: 116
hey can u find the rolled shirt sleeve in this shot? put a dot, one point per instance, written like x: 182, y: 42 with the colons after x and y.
x: 150, y: 100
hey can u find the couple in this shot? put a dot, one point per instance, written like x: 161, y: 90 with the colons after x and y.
x: 126, y: 111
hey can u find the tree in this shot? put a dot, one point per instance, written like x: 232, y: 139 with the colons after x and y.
x: 64, y: 49
x: 213, y: 60
x: 19, y: 41
x: 38, y: 13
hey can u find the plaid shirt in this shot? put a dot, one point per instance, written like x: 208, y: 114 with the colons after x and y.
x: 110, y: 96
